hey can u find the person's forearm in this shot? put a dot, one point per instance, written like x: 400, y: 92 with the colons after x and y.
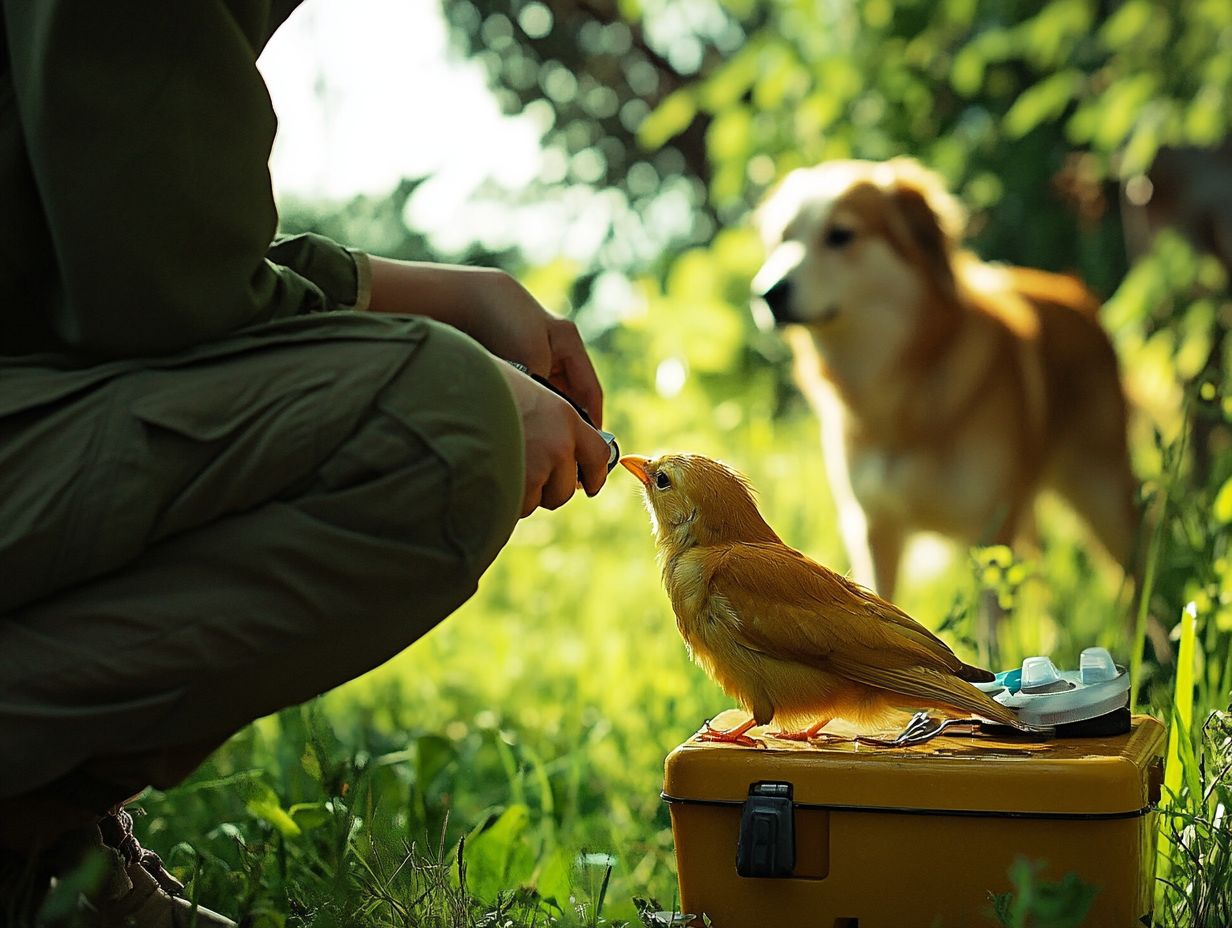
x: 444, y: 292
x: 498, y: 312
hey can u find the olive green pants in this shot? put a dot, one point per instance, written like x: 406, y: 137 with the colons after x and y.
x: 189, y: 544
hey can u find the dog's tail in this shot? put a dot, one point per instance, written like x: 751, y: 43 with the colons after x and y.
x: 1057, y: 289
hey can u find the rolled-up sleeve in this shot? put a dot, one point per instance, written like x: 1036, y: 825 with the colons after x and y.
x: 342, y: 275
x: 149, y: 129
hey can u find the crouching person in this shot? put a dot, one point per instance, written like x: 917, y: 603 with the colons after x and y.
x: 232, y: 475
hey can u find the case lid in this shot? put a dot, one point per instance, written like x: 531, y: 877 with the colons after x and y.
x: 1112, y: 776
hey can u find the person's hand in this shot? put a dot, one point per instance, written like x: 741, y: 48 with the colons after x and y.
x: 510, y: 323
x: 497, y: 311
x: 561, y: 449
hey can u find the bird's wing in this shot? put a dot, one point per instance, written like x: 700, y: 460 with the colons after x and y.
x: 794, y: 608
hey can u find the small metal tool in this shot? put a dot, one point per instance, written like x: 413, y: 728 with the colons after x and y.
x: 922, y: 727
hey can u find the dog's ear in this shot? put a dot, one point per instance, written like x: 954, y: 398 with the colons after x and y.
x: 931, y: 221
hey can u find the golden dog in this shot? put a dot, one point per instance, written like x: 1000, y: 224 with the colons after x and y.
x: 950, y: 391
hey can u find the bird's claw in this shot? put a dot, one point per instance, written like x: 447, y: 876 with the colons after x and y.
x: 723, y: 738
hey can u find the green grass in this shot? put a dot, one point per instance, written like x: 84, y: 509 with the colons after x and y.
x: 1195, y: 866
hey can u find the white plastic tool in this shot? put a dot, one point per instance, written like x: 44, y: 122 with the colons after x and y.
x: 1044, y: 697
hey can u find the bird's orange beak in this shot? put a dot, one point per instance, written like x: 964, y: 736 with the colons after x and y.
x: 637, y: 466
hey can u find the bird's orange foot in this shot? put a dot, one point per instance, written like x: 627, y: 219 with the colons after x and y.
x: 791, y: 735
x: 812, y: 733
x: 730, y: 736
x: 806, y: 735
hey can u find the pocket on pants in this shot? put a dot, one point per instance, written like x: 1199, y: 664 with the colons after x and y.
x: 207, y: 442
x: 201, y: 412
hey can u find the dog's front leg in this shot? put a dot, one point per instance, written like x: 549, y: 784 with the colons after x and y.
x: 853, y: 528
x: 885, y: 546
x: 852, y: 524
x: 874, y: 543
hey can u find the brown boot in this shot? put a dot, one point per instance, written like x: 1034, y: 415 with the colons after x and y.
x: 135, y: 899
x: 141, y: 893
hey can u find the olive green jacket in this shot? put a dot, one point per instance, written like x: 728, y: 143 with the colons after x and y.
x: 136, y: 210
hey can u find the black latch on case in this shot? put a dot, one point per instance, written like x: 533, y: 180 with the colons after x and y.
x: 767, y: 844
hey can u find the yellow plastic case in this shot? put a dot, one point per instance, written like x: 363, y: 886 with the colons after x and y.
x: 910, y: 837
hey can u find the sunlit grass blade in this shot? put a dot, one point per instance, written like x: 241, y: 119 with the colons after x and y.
x: 1182, y: 706
x: 1144, y: 601
x: 1181, y: 764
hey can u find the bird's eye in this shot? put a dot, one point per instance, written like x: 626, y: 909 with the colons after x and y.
x: 838, y: 236
x: 662, y: 481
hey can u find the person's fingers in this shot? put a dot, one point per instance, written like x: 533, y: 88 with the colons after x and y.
x: 561, y: 485
x: 572, y: 370
x: 538, y: 473
x: 531, y: 496
x: 539, y: 363
x: 561, y: 449
x: 578, y: 379
x: 592, y: 457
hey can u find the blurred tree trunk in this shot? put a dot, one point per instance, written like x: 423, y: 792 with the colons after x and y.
x: 1190, y: 190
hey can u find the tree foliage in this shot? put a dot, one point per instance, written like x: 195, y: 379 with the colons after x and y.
x: 1038, y: 116
x: 1028, y: 110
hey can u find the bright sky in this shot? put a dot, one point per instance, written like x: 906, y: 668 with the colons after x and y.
x: 367, y: 93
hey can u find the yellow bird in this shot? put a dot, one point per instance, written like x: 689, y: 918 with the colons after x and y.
x: 790, y: 639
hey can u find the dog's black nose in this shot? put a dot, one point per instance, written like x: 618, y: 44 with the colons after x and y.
x: 778, y: 298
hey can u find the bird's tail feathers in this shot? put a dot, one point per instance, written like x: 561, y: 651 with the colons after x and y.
x: 975, y: 674
x: 964, y: 696
x: 935, y: 688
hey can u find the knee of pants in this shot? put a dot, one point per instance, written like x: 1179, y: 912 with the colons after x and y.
x: 478, y: 438
x: 437, y: 462
x: 443, y: 449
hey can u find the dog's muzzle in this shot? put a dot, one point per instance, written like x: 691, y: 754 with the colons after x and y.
x: 772, y: 288
x: 777, y: 299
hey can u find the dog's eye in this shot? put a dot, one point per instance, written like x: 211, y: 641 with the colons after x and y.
x: 838, y: 236
x: 662, y: 481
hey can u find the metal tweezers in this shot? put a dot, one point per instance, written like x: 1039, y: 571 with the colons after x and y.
x: 922, y: 727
